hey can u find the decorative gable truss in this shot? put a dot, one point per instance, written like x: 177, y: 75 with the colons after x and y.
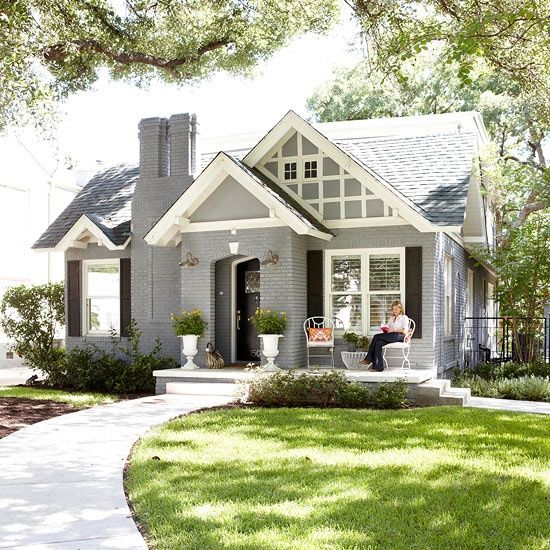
x: 327, y: 190
x: 293, y: 140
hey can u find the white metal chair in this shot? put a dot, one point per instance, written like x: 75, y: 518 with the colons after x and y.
x: 319, y: 322
x: 404, y: 346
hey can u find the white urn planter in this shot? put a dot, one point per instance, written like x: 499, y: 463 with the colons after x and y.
x: 270, y: 350
x: 190, y: 349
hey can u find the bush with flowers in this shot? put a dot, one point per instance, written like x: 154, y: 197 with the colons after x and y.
x: 268, y: 321
x: 189, y: 322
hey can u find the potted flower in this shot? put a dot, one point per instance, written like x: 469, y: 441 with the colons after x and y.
x: 359, y: 346
x: 270, y: 326
x: 189, y: 325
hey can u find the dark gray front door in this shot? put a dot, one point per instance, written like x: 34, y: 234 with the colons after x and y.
x: 248, y: 301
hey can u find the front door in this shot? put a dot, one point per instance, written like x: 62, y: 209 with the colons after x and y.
x: 248, y: 301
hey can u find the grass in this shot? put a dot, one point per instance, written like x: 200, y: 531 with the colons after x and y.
x: 315, y: 479
x: 78, y: 399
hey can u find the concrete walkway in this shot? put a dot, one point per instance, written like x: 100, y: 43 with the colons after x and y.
x: 61, y: 483
x: 509, y: 405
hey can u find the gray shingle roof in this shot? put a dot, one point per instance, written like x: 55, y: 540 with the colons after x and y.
x: 105, y: 200
x: 432, y: 171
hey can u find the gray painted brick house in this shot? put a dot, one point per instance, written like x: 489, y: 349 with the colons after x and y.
x: 358, y: 213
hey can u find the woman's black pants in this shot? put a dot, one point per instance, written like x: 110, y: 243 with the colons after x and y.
x: 374, y: 355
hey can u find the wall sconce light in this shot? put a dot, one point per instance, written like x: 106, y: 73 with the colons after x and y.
x: 234, y: 247
x: 271, y: 259
x: 190, y: 262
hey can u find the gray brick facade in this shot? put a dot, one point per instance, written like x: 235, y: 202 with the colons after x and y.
x: 160, y: 287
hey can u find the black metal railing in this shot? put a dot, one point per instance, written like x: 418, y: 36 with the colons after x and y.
x: 502, y: 339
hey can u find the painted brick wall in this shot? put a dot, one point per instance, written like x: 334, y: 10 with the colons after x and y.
x: 282, y: 286
x: 422, y: 350
x: 449, y: 348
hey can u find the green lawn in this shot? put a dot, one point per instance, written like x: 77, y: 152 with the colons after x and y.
x: 313, y: 479
x: 78, y: 399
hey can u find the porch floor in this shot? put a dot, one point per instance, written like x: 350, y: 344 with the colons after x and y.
x: 235, y: 374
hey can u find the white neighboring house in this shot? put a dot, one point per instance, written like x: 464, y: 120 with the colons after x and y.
x: 34, y: 189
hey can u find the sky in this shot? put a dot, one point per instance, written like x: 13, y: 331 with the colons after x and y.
x: 101, y: 125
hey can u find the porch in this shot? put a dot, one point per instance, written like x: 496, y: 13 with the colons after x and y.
x: 423, y: 386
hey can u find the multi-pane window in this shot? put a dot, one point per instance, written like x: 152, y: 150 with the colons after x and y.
x: 345, y: 290
x: 290, y: 171
x: 102, y: 296
x: 448, y: 295
x: 470, y: 294
x: 362, y: 285
x: 384, y: 286
x: 310, y: 169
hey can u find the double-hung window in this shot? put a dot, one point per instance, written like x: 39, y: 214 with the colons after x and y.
x: 101, y: 281
x: 360, y: 286
x: 448, y: 295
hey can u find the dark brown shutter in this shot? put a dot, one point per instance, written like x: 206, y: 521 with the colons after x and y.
x: 315, y: 283
x: 73, y: 298
x: 413, y: 286
x: 125, y: 295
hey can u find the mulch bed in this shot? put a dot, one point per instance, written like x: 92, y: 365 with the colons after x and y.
x: 18, y: 412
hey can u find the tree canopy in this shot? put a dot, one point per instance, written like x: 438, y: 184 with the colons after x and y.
x: 517, y: 123
x: 512, y: 36
x: 51, y: 48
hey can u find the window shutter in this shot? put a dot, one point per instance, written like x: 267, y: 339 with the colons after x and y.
x: 125, y: 295
x: 315, y: 283
x: 413, y: 286
x: 74, y: 298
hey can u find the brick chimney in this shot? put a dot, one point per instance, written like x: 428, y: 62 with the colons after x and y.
x: 168, y: 163
x: 169, y: 147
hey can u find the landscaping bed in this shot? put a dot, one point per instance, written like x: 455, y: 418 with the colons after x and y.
x: 22, y: 406
x: 17, y: 412
x: 313, y: 479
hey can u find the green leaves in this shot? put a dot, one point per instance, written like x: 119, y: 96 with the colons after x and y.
x: 52, y: 48
x: 31, y: 316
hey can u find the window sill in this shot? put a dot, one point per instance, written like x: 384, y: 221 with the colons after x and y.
x: 449, y: 338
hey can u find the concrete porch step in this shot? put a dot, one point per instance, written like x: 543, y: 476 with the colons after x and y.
x: 440, y: 392
x: 202, y: 388
x: 433, y: 388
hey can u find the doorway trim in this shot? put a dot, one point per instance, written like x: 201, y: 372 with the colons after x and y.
x: 234, y: 304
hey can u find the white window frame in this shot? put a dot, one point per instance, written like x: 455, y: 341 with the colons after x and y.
x: 448, y: 302
x: 470, y: 294
x: 365, y: 294
x: 86, y: 297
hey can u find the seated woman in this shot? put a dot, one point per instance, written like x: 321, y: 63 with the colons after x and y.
x: 397, y: 324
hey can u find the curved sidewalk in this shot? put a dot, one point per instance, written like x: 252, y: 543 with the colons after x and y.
x: 61, y: 484
x: 509, y: 405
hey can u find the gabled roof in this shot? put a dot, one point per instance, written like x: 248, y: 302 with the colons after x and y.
x: 282, y: 206
x: 105, y: 201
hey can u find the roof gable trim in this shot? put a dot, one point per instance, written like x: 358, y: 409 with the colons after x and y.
x: 85, y: 231
x: 397, y: 201
x: 176, y: 219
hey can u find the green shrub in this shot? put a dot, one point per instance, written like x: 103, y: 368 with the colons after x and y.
x: 30, y: 316
x: 510, y: 369
x: 267, y: 321
x: 525, y: 388
x: 359, y: 342
x: 329, y: 389
x: 391, y: 395
x: 123, y: 370
x: 189, y: 322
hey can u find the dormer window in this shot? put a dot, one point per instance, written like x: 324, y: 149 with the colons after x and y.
x: 290, y: 170
x: 310, y: 169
